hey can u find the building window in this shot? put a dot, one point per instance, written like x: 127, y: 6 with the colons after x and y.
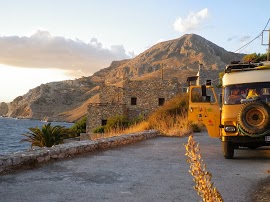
x: 184, y: 90
x: 133, y: 101
x: 161, y: 101
x: 209, y: 82
x: 104, y: 122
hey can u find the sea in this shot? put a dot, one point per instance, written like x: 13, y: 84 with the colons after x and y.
x: 11, y: 130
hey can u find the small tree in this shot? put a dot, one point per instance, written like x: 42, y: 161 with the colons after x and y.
x: 47, y: 136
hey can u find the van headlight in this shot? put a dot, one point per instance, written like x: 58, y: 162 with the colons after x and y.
x: 230, y: 128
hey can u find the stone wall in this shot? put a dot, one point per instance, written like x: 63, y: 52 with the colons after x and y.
x: 102, y: 111
x: 36, y: 157
x: 147, y: 93
x: 111, y: 94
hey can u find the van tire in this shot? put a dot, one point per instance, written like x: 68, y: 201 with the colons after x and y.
x: 253, y: 117
x: 228, y: 149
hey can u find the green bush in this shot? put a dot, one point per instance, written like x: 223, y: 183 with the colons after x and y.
x: 137, y: 120
x: 117, y: 122
x: 80, y: 126
x: 100, y: 129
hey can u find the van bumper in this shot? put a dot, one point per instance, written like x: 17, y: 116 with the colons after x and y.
x: 246, y: 140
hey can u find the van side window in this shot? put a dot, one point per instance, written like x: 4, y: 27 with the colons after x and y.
x: 196, y: 95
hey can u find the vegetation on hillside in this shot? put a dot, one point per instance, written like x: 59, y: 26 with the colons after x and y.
x: 254, y: 57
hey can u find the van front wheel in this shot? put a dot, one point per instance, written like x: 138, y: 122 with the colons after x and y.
x: 228, y: 149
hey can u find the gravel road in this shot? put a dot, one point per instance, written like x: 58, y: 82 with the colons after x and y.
x: 151, y: 170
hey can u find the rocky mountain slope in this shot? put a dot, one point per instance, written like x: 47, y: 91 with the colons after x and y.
x: 68, y: 100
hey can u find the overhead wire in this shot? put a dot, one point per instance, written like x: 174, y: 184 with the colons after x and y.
x: 254, y: 38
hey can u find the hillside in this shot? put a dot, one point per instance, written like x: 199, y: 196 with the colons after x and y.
x: 68, y: 100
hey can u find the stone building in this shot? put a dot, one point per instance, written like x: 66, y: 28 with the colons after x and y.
x: 131, y: 99
x: 207, y: 77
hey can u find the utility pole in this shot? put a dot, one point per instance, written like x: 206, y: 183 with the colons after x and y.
x: 162, y: 71
x: 268, y: 52
x: 268, y: 44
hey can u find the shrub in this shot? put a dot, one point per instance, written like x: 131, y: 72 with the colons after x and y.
x: 117, y: 122
x: 80, y: 126
x: 100, y: 129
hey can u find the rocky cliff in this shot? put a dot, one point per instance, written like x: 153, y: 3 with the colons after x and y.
x: 68, y: 100
x: 49, y: 101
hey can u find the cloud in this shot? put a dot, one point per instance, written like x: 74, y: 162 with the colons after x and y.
x: 41, y: 50
x: 231, y: 38
x: 245, y: 39
x: 191, y: 22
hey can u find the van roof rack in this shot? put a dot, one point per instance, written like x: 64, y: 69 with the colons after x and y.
x: 240, y: 66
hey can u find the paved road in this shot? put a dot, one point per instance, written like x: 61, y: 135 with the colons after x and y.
x: 151, y: 170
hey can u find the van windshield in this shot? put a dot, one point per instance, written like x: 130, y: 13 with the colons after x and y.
x: 241, y: 93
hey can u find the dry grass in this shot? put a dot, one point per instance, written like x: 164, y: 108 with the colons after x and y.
x: 176, y: 125
x: 142, y: 126
x: 202, y: 177
x: 167, y: 125
x: 171, y: 119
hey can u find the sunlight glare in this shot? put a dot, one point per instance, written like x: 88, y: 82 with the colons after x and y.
x: 16, y: 81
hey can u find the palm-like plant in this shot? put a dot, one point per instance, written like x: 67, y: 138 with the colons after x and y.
x: 47, y: 136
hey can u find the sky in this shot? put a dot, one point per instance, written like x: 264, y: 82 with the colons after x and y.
x: 45, y: 41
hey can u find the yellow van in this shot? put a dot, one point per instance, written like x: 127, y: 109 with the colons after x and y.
x: 242, y: 117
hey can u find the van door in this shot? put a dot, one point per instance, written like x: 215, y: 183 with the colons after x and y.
x: 204, y: 107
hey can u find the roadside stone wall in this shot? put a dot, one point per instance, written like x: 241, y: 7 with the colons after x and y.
x: 31, y: 158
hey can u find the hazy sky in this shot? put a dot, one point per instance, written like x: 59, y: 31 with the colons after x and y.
x: 52, y: 40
